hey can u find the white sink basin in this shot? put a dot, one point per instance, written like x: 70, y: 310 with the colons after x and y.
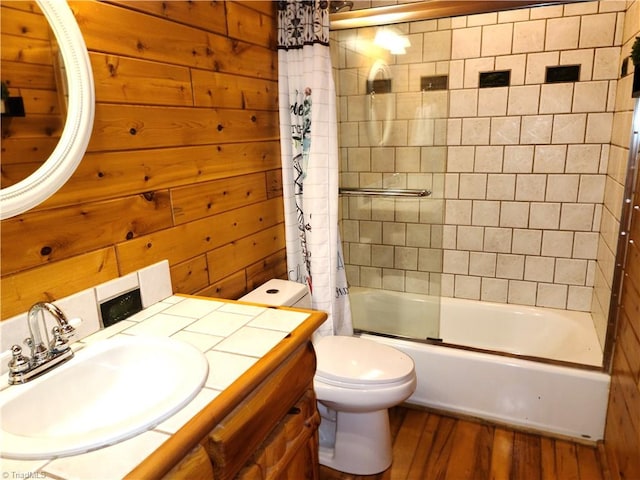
x: 110, y: 391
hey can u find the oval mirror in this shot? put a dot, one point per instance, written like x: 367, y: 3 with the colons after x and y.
x: 56, y: 170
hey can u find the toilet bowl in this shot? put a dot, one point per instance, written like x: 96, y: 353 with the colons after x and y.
x: 356, y: 382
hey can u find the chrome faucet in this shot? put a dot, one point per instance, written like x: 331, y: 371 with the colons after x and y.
x: 44, y: 356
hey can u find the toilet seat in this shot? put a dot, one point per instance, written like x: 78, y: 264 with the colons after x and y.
x: 352, y: 362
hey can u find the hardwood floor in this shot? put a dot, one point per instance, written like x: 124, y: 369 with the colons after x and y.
x: 429, y: 446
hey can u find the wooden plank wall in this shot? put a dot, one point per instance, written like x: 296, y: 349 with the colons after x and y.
x: 183, y: 162
x: 29, y: 58
x: 622, y: 434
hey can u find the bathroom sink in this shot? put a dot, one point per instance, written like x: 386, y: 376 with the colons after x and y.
x: 111, y: 390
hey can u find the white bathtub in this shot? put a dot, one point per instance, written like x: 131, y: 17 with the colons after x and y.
x: 550, y: 398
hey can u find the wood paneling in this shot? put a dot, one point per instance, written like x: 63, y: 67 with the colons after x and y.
x: 427, y: 445
x: 113, y: 29
x: 212, y: 89
x: 208, y: 15
x: 125, y: 80
x: 56, y: 280
x: 183, y: 163
x: 622, y: 434
x: 116, y: 174
x: 66, y: 232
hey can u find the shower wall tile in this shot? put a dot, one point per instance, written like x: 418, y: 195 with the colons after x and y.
x: 579, y: 298
x: 599, y: 128
x: 482, y: 264
x: 549, y: 158
x: 510, y: 266
x: 518, y: 159
x: 552, y: 295
x: 562, y: 188
x: 501, y: 187
x: 528, y: 36
x: 569, y: 128
x: 539, y: 269
x: 496, y: 39
x: 523, y: 100
x: 486, y: 213
x: 520, y: 171
x: 562, y: 33
x: 583, y: 159
x: 570, y: 272
x: 527, y: 242
x: 556, y: 98
x: 465, y: 43
x: 598, y: 30
x: 536, y: 129
x: 469, y: 238
x: 523, y: 293
x: 505, y: 130
x: 544, y: 215
x: 547, y: 12
x: 494, y: 290
x: 467, y: 287
x: 590, y: 97
x: 605, y: 63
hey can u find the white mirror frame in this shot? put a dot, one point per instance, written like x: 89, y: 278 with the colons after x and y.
x: 64, y: 159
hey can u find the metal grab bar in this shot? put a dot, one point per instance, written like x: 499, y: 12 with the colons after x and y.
x: 386, y: 192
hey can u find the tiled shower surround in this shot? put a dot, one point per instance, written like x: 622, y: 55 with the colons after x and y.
x: 518, y: 172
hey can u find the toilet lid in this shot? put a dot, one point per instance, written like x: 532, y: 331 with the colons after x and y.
x: 358, y: 360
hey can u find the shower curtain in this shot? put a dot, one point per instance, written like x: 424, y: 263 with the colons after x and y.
x: 309, y: 148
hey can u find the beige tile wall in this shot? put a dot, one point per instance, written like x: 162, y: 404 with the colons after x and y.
x: 615, y: 180
x: 520, y: 172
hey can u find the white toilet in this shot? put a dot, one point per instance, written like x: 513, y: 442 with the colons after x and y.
x: 356, y: 382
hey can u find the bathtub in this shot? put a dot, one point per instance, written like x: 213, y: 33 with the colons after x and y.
x: 548, y: 397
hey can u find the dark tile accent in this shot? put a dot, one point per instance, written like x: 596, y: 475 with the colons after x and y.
x: 434, y: 82
x: 382, y: 85
x: 562, y: 73
x: 499, y: 78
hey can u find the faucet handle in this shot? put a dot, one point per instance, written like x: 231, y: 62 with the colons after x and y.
x: 19, y: 363
x: 60, y: 341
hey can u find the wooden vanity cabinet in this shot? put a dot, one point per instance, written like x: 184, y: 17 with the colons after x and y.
x: 262, y: 426
x: 272, y: 433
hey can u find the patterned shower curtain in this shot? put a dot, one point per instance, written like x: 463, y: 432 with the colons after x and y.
x: 309, y: 145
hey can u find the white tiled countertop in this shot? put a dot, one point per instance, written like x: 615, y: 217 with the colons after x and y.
x: 233, y: 337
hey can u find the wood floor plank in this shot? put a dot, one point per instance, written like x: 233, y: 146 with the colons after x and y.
x: 501, y: 454
x: 548, y: 459
x: 436, y: 467
x: 526, y: 456
x: 470, y: 451
x: 589, y: 464
x: 431, y: 446
x: 423, y: 448
x: 566, y: 460
x: 404, y: 448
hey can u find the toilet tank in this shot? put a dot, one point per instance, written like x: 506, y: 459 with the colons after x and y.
x: 281, y: 293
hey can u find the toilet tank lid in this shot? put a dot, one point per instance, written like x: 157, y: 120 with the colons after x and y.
x: 345, y: 359
x: 277, y: 292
